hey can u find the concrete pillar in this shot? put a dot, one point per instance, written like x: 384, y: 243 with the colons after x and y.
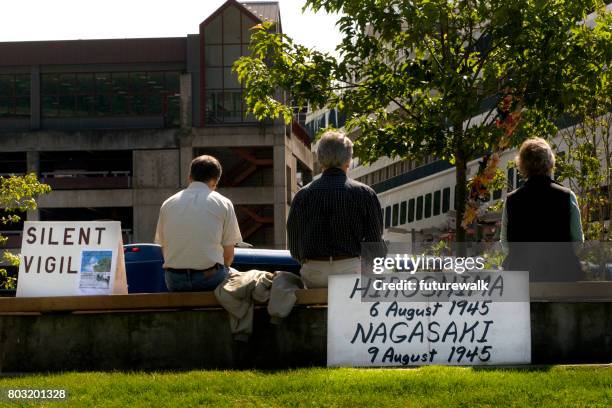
x: 186, y: 156
x: 33, y: 165
x: 280, y: 194
x: 155, y: 178
x: 186, y: 119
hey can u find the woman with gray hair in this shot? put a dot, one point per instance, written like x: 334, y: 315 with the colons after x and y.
x: 544, y: 214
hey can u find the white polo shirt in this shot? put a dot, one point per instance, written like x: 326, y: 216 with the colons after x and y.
x: 194, y: 225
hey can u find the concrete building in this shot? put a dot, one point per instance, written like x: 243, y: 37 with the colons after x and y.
x: 112, y: 126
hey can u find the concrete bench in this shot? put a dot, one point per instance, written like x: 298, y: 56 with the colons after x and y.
x: 570, y: 323
x: 134, y: 302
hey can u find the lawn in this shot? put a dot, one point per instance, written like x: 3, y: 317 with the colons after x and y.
x: 319, y: 387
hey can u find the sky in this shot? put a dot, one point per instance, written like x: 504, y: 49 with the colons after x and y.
x: 35, y: 20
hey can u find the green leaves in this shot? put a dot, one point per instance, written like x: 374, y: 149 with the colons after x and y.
x: 17, y: 195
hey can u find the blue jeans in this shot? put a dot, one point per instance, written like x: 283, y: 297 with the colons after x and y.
x: 192, y: 281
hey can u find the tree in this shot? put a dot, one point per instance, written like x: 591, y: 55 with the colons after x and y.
x: 453, y: 79
x: 17, y: 195
x: 585, y: 148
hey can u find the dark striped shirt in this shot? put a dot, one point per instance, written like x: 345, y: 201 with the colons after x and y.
x: 333, y: 216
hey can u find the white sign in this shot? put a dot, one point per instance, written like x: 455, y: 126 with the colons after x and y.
x: 71, y: 258
x: 483, y: 327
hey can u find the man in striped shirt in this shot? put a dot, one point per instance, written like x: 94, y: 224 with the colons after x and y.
x: 332, y: 217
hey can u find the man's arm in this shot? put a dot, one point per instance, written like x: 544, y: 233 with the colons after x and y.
x: 159, y: 232
x: 575, y: 220
x: 503, y: 235
x: 231, y: 235
x: 374, y: 220
x: 373, y: 232
x: 293, y: 229
x: 228, y: 255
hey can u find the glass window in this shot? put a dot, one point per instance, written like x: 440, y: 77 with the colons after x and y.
x: 419, y: 208
x: 85, y: 105
x: 139, y: 82
x: 174, y: 111
x: 427, y: 205
x: 436, y: 203
x: 22, y: 85
x: 402, y: 219
x: 66, y: 105
x: 247, y: 25
x: 104, y: 83
x: 387, y: 216
x: 411, y: 210
x: 230, y: 79
x: 119, y: 103
x: 22, y: 106
x: 246, y: 51
x: 153, y: 104
x: 103, y: 105
x: 85, y: 84
x: 230, y: 54
x: 6, y: 85
x: 173, y: 82
x: 395, y: 214
x: 120, y: 82
x: 49, y: 105
x: 67, y: 84
x: 15, y: 95
x: 5, y: 106
x: 213, y: 56
x: 212, y: 31
x: 231, y: 25
x: 214, y: 78
x: 139, y: 105
x: 445, y: 200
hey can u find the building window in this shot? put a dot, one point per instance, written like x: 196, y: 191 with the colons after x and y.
x: 436, y: 203
x: 419, y: 208
x: 395, y: 214
x: 14, y: 95
x: 445, y: 200
x: 226, y: 39
x: 387, y: 216
x: 111, y: 94
x: 402, y: 219
x: 427, y: 205
x: 411, y: 210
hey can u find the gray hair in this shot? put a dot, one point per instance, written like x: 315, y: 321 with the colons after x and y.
x: 334, y: 149
x: 535, y: 158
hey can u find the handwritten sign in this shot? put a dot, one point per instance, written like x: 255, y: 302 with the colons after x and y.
x: 480, y: 327
x: 71, y: 258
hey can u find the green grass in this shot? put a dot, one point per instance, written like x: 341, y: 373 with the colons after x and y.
x: 319, y: 387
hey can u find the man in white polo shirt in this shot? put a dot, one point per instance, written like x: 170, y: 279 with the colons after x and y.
x: 197, y: 230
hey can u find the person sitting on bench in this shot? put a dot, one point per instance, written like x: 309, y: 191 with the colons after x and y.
x: 332, y: 216
x: 197, y: 230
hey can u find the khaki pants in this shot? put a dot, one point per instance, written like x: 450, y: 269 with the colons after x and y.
x: 314, y: 273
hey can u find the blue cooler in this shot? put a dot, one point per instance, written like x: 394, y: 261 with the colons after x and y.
x: 143, y: 267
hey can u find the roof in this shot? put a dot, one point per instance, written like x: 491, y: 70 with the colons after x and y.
x: 264, y: 10
x: 131, y: 50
